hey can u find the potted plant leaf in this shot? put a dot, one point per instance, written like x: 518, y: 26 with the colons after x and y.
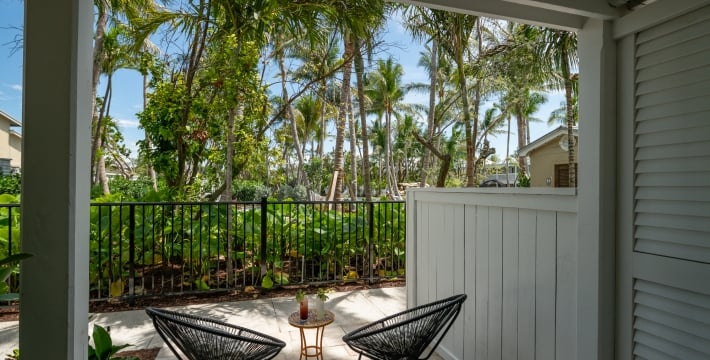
x: 303, y: 304
x: 322, y: 296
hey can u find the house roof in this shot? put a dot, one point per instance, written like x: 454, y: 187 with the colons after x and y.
x: 9, y: 118
x: 545, y: 139
x: 15, y: 132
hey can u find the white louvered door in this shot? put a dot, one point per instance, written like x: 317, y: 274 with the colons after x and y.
x: 669, y: 270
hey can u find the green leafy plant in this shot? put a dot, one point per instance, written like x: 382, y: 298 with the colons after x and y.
x: 323, y: 294
x: 103, y: 348
x: 300, y: 295
x: 8, y: 265
x: 14, y: 356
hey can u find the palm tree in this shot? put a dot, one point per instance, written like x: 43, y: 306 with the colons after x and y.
x: 354, y: 20
x: 559, y: 115
x: 386, y: 93
x: 360, y: 81
x: 110, y: 12
x: 559, y: 52
x: 453, y: 35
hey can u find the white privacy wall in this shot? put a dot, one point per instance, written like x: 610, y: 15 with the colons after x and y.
x: 513, y: 252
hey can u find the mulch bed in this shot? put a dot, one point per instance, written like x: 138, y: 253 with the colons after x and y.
x: 141, y: 354
x: 11, y: 312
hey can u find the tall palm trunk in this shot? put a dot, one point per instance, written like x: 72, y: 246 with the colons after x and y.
x: 99, y: 34
x: 339, y: 158
x: 98, y: 144
x: 476, y: 106
x: 300, y: 176
x: 228, y: 178
x: 522, y: 125
x: 433, y: 81
x: 391, y: 179
x: 353, y: 149
x: 151, y: 169
x: 571, y: 153
x: 359, y: 73
x: 463, y: 90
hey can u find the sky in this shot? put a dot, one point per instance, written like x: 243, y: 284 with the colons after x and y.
x: 127, y: 99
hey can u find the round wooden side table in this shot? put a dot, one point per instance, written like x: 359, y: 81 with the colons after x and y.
x: 316, y: 350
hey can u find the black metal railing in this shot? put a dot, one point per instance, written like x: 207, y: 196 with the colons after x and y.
x: 152, y: 249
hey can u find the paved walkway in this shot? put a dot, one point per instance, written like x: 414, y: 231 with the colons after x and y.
x: 352, y: 310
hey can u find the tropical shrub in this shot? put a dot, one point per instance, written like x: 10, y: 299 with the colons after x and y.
x: 10, y: 184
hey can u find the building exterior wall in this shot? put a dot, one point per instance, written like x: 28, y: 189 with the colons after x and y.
x: 5, y: 138
x: 15, y: 151
x: 543, y: 161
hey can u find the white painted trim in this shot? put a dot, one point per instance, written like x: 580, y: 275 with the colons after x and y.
x: 625, y: 214
x: 599, y: 9
x: 562, y: 199
x: 411, y: 246
x: 509, y: 11
x: 55, y: 223
x: 596, y: 194
x: 653, y: 14
x: 12, y: 120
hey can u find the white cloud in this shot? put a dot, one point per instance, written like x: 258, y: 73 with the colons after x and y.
x: 125, y: 123
x: 16, y: 87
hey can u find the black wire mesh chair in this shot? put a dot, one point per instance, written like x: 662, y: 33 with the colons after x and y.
x: 407, y: 334
x: 200, y: 338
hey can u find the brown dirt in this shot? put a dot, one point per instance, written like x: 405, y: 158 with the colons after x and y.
x: 11, y: 312
x: 141, y: 354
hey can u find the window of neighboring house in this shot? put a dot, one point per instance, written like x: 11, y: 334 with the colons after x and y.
x: 562, y: 175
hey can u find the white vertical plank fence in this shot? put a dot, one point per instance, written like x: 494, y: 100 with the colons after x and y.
x: 514, y: 253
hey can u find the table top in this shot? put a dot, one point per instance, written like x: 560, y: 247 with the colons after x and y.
x: 295, y: 319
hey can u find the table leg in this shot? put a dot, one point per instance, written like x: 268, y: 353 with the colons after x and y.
x: 317, y: 348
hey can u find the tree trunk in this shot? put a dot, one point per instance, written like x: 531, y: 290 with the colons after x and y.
x: 100, y: 31
x: 148, y: 160
x: 445, y: 160
x: 300, y: 177
x: 463, y: 90
x: 353, y: 148
x: 96, y: 144
x: 339, y: 158
x: 433, y: 81
x: 228, y: 178
x: 570, y: 120
x: 359, y: 71
x: 521, y: 122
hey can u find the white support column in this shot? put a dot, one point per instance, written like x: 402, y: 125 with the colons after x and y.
x: 597, y: 191
x: 55, y: 179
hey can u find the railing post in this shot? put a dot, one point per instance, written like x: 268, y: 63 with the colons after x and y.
x: 131, y: 252
x: 371, y: 235
x: 263, y: 235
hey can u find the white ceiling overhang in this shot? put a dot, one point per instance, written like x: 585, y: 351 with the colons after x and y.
x: 601, y: 9
x: 563, y: 14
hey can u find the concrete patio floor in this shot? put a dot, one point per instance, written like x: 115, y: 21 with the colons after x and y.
x: 351, y: 309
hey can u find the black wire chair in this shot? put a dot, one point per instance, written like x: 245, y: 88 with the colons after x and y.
x: 406, y: 335
x: 200, y: 338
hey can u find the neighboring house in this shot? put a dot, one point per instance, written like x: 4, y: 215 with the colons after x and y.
x: 498, y: 177
x: 548, y: 159
x: 10, y: 144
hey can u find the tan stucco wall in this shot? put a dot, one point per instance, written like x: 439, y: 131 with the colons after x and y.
x: 543, y: 161
x: 5, y: 139
x: 15, y: 151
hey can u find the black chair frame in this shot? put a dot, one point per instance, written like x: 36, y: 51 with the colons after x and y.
x: 407, y: 334
x: 202, y: 338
